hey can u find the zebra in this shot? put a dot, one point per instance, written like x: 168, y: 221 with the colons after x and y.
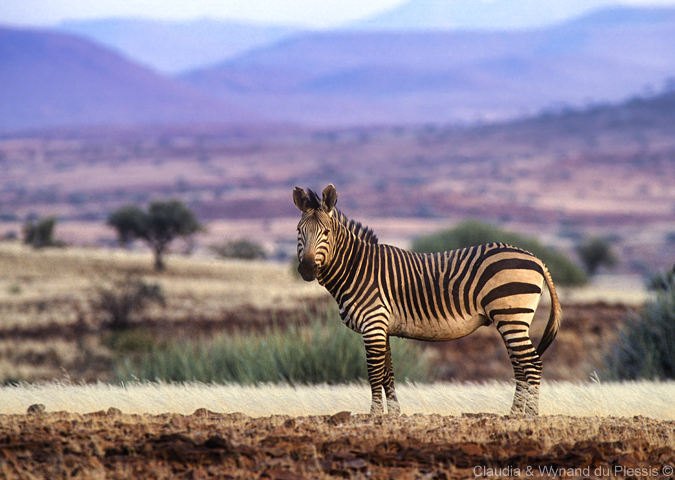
x: 382, y: 290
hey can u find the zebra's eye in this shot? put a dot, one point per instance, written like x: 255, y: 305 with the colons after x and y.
x: 326, y: 232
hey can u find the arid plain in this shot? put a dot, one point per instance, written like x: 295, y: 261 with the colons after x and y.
x: 557, y: 183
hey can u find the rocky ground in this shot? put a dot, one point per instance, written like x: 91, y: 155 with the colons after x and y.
x: 233, y: 446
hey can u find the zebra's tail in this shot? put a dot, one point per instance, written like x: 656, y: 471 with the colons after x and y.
x: 554, y: 317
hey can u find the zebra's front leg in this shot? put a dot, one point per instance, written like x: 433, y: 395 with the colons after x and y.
x: 380, y: 371
x: 393, y: 408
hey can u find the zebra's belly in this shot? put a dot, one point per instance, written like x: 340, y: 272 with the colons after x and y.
x: 436, y: 330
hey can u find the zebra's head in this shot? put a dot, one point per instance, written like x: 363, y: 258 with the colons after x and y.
x: 315, y: 229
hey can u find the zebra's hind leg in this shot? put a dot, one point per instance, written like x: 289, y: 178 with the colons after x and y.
x: 380, y: 371
x: 527, y: 366
x: 519, y: 398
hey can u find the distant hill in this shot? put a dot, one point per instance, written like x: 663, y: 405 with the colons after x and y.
x: 478, y: 15
x: 171, y: 47
x: 654, y: 113
x: 367, y: 77
x: 50, y: 79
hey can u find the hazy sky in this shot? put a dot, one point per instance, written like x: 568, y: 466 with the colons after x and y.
x: 319, y: 13
x: 311, y: 13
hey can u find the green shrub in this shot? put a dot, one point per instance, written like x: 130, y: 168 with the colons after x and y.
x: 645, y: 347
x: 662, y: 282
x: 470, y: 233
x: 129, y: 341
x: 40, y: 234
x: 324, y: 352
x: 121, y: 299
x: 594, y: 253
x: 241, y: 249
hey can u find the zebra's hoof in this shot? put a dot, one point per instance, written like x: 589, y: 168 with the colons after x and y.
x: 376, y: 409
x: 393, y: 409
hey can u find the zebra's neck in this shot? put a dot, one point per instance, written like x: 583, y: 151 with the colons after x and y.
x: 351, y: 242
x: 360, y: 231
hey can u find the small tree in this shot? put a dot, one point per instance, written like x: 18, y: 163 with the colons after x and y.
x: 159, y: 226
x: 40, y: 234
x: 596, y: 252
x: 129, y: 222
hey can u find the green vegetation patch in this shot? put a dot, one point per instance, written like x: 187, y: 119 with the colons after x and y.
x: 323, y: 352
x: 241, y: 249
x: 470, y: 233
x: 645, y: 347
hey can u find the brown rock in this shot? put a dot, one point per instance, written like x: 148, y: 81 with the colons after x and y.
x: 36, y: 409
x: 340, y: 418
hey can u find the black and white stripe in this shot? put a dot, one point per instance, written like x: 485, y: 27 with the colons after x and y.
x: 383, y: 290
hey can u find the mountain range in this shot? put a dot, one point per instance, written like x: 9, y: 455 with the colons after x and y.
x: 172, y: 47
x: 347, y: 77
x: 350, y: 76
x: 478, y: 14
x: 51, y: 80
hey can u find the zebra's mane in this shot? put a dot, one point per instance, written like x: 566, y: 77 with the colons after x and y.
x: 359, y: 230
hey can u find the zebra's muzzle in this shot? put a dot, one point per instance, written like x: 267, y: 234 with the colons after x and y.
x: 307, y: 270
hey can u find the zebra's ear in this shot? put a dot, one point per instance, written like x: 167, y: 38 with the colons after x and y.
x: 301, y: 199
x: 329, y: 198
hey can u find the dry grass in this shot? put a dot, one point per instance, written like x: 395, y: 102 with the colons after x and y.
x: 613, y: 289
x: 39, y: 287
x: 649, y: 399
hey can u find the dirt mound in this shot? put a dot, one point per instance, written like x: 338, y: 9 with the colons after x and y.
x: 233, y: 446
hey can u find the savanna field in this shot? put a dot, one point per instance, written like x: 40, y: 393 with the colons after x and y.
x: 80, y: 397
